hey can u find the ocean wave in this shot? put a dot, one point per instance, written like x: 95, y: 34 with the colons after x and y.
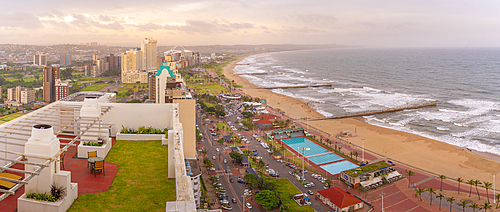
x: 443, y: 128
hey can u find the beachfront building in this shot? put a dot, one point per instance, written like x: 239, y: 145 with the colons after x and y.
x: 93, y: 116
x: 339, y: 200
x: 286, y: 133
x: 371, y: 176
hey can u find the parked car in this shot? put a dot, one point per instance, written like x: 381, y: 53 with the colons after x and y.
x: 241, y: 181
x: 258, y: 158
x: 213, y: 157
x: 310, y: 192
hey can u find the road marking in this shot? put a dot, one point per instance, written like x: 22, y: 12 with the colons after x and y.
x: 397, y: 203
x: 413, y: 208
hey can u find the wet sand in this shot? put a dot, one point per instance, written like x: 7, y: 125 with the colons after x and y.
x: 425, y: 153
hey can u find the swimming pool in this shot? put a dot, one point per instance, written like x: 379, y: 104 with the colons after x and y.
x: 299, y: 142
x: 326, y: 158
x: 335, y: 168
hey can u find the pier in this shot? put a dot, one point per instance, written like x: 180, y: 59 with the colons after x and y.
x: 293, y: 86
x: 376, y: 112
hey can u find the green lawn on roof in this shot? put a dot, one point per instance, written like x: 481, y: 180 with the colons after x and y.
x: 141, y: 183
x: 367, y: 168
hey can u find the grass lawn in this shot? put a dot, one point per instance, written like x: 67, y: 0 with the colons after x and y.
x: 95, y: 87
x: 222, y: 125
x: 9, y: 117
x: 11, y: 79
x: 286, y: 190
x: 207, y: 87
x: 141, y: 183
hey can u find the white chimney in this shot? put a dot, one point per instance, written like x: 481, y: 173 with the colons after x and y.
x: 90, y: 107
x: 44, y: 144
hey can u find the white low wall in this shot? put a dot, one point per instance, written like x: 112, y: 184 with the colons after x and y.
x: 140, y: 137
x: 102, y: 151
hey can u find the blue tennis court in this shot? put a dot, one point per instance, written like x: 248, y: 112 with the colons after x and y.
x: 326, y: 158
x: 299, y: 142
x: 336, y: 168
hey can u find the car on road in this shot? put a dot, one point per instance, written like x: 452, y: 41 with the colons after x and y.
x: 249, y: 206
x: 225, y: 161
x: 212, y: 169
x: 213, y: 157
x: 231, y: 180
x: 310, y: 192
x: 241, y: 181
x: 227, y: 208
x: 233, y: 200
x: 217, y: 149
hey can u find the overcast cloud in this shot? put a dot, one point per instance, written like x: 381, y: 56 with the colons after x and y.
x: 394, y: 23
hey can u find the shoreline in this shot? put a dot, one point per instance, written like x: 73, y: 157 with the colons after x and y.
x: 419, y: 151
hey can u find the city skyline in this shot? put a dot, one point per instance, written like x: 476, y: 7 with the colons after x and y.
x: 358, y: 23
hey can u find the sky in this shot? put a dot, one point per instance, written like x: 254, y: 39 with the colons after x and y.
x: 369, y: 23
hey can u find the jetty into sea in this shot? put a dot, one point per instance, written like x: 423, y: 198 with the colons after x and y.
x: 293, y: 86
x: 369, y: 113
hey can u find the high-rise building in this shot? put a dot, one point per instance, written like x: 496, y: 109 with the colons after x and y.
x: 40, y: 59
x: 27, y: 96
x: 65, y: 59
x: 148, y: 47
x: 131, y: 63
x: 21, y: 95
x: 114, y: 62
x: 51, y: 76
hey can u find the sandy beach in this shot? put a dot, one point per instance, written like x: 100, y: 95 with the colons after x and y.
x: 428, y: 154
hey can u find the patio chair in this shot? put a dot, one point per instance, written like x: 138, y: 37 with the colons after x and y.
x: 91, y: 155
x: 8, y: 184
x: 98, y: 167
x: 62, y: 159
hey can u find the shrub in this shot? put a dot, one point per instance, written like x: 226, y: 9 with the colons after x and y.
x: 41, y: 197
x: 92, y: 143
x: 144, y: 130
x: 57, y: 191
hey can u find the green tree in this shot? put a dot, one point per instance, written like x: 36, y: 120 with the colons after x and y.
x: 418, y: 192
x: 236, y: 157
x: 470, y: 182
x: 431, y: 192
x: 463, y: 203
x: 267, y: 199
x: 476, y: 183
x: 204, y: 151
x: 440, y: 196
x: 498, y: 199
x: 459, y: 180
x: 67, y: 73
x: 251, y: 179
x: 450, y: 200
x: 442, y: 177
x: 487, y: 185
x: 474, y: 206
x: 409, y: 173
x: 486, y: 206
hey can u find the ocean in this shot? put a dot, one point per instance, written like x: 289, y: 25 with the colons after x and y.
x: 465, y: 83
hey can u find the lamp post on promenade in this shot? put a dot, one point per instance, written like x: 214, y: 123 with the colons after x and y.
x: 363, y: 141
x: 382, y: 194
x: 243, y: 206
x: 494, y: 198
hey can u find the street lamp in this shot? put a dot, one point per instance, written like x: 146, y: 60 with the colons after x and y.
x: 382, y: 194
x: 363, y: 141
x: 494, y: 198
x: 243, y: 206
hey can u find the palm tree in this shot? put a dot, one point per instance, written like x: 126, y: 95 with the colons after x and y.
x: 442, y: 177
x: 409, y: 173
x: 418, y: 192
x: 498, y: 199
x: 431, y: 192
x: 204, y: 151
x: 356, y: 155
x: 440, y: 196
x: 486, y: 206
x: 470, y: 182
x: 477, y: 182
x: 463, y: 203
x: 487, y: 185
x: 459, y: 180
x: 474, y: 206
x: 450, y: 200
